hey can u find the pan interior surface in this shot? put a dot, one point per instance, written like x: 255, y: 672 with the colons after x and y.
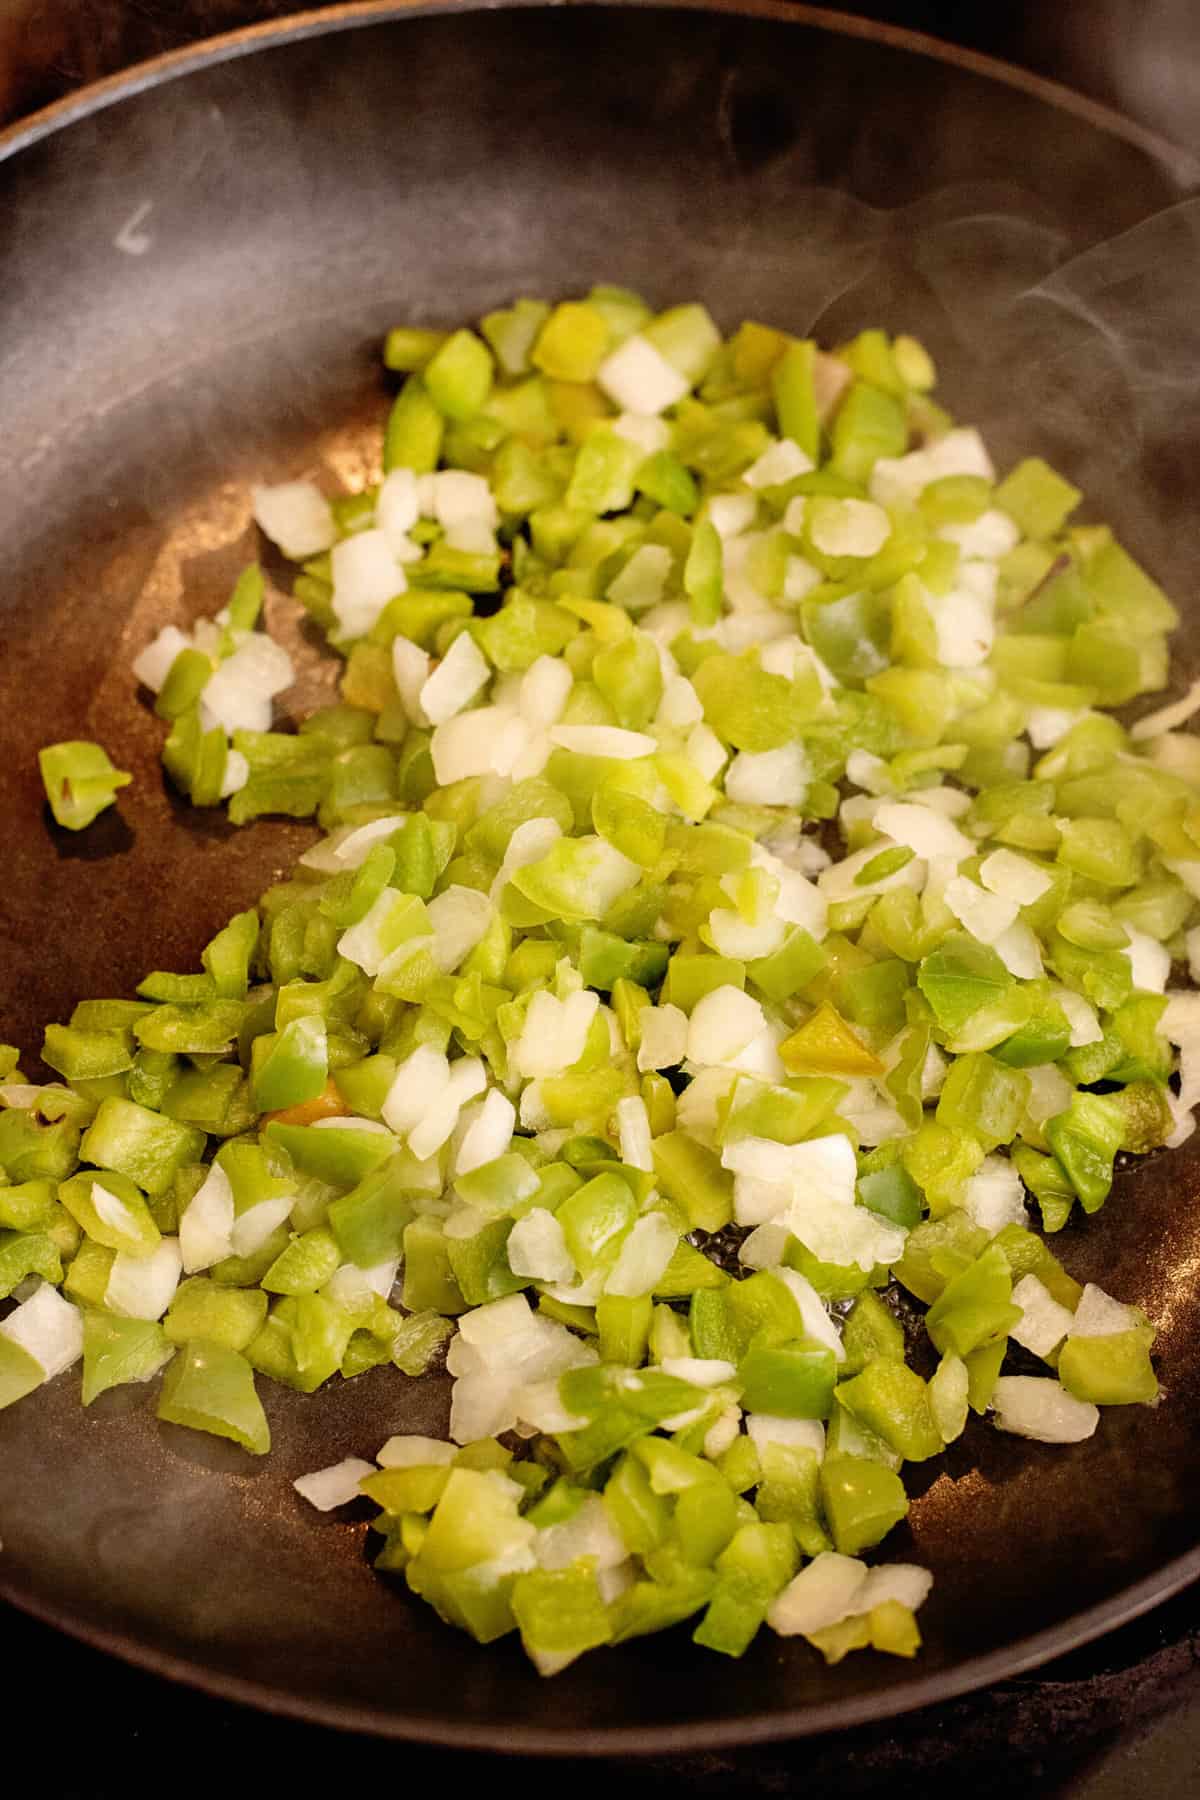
x: 196, y: 282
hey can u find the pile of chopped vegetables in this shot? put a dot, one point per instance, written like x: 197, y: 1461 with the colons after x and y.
x: 734, y: 908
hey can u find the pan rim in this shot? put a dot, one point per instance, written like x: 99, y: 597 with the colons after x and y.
x: 937, y: 1687
x: 350, y: 15
x: 1018, y: 1657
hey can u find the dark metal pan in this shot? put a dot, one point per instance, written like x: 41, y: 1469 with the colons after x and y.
x: 198, y: 261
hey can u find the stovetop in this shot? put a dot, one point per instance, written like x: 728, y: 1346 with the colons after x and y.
x: 1118, y: 1720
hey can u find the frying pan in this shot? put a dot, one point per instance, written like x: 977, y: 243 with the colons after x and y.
x: 198, y: 262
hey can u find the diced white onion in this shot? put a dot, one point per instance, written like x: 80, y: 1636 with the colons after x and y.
x: 1081, y: 1017
x: 850, y: 528
x: 779, y: 463
x: 801, y: 1434
x: 537, y: 1249
x: 603, y: 740
x: 252, y: 1228
x: 985, y: 916
x: 296, y: 516
x: 1047, y: 724
x: 869, y: 772
x: 237, y: 774
x: 904, y: 1583
x: 461, y: 674
x: 1034, y: 1406
x: 643, y: 1257
x: 589, y: 1532
x: 153, y: 664
x: 466, y: 1078
x: 1044, y: 1321
x: 353, y: 849
x: 206, y: 1224
x: 650, y: 434
x: 1099, y: 1315
x: 48, y: 1328
x: 336, y: 1486
x: 365, y: 577
x: 410, y: 670
x: 840, y: 880
x: 373, y: 939
x: 799, y: 578
x: 419, y: 1085
x: 1149, y: 961
x: 722, y: 1433
x: 817, y: 1323
x: 460, y: 916
x: 489, y: 1134
x: 824, y: 1593
x: 842, y: 1234
x: 994, y: 1196
x: 705, y: 751
x: 637, y: 377
x: 412, y: 1452
x: 459, y: 495
x: 1166, y: 718
x: 397, y: 506
x: 991, y: 536
x: 545, y: 689
x: 779, y: 777
x: 723, y: 1022
x: 963, y: 621
x: 925, y: 833
x: 111, y: 1210
x: 554, y: 1034
x: 142, y: 1287
x: 664, y: 1037
x: 1014, y: 877
x: 633, y: 1132
x: 731, y: 514
x: 700, y: 1371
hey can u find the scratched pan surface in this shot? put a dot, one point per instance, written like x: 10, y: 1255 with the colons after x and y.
x: 197, y: 265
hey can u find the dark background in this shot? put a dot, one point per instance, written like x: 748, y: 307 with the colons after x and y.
x: 1118, y: 1719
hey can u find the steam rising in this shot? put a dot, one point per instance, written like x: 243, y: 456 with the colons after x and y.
x: 1090, y: 358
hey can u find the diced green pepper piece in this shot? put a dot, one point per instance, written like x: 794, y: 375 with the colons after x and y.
x: 20, y: 1373
x: 559, y: 1614
x: 86, y: 1055
x: 117, y: 1350
x: 983, y: 1097
x: 891, y: 1400
x: 80, y: 781
x: 754, y: 1567
x: 415, y: 426
x: 307, y: 1263
x: 862, y: 1501
x: 140, y: 1144
x: 691, y: 1175
x: 871, y: 1331
x: 1085, y: 1139
x: 458, y: 377
x: 974, y: 1307
x: 1036, y: 498
x: 790, y: 1493
x: 27, y: 1253
x: 340, y: 1156
x: 1110, y: 1371
x: 295, y: 1068
x: 211, y: 1388
x: 117, y: 1217
x: 792, y: 1380
x: 222, y: 1315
